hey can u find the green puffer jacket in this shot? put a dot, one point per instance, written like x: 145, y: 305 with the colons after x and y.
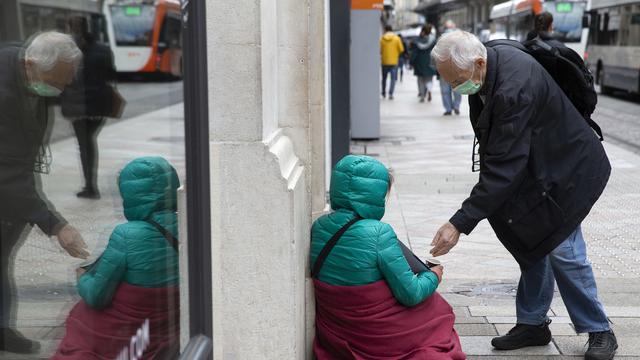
x: 369, y: 250
x: 137, y: 253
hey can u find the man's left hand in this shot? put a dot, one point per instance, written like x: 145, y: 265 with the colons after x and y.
x: 446, y: 238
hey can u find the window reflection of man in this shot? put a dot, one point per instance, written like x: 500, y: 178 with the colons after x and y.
x: 28, y: 76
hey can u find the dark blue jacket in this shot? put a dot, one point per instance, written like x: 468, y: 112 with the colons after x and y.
x: 542, y: 166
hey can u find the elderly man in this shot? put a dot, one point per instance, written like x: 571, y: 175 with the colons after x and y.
x: 542, y: 168
x: 29, y: 76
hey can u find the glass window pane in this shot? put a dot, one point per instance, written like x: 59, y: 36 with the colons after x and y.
x: 92, y: 154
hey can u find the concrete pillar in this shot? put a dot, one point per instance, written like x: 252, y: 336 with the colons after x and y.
x: 267, y: 101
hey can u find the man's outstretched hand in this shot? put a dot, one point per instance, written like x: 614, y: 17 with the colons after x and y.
x: 72, y: 242
x: 446, y: 238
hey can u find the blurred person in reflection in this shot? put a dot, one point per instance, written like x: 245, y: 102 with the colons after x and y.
x: 88, y: 100
x: 451, y: 100
x: 136, y: 278
x: 30, y: 75
x: 391, y: 48
x: 369, y: 303
x: 421, y: 61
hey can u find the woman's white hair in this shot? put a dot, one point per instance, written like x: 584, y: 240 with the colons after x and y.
x: 463, y: 48
x: 48, y: 48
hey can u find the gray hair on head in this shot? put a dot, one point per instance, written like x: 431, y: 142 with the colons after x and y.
x: 48, y: 48
x: 463, y: 48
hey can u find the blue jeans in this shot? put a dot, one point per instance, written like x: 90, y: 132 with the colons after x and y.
x: 568, y: 265
x: 450, y: 99
x: 386, y: 70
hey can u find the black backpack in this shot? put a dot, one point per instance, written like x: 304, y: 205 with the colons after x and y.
x: 568, y: 70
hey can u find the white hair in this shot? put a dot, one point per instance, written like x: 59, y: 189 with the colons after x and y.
x: 48, y: 48
x: 463, y: 48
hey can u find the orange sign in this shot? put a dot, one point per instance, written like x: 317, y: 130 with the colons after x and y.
x: 366, y: 5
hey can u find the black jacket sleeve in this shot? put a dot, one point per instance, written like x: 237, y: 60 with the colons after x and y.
x: 20, y: 200
x: 505, y: 159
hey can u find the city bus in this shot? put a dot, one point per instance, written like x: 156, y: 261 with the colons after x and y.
x: 514, y: 19
x: 614, y: 45
x: 145, y: 36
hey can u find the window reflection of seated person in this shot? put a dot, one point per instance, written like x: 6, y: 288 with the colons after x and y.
x: 136, y: 278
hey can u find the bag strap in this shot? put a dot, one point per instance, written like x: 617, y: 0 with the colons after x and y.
x: 167, y: 235
x: 330, y: 245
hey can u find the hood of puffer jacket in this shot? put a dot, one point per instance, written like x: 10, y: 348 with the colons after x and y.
x: 148, y: 185
x: 360, y: 184
x: 388, y: 36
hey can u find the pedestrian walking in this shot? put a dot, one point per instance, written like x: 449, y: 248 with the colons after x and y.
x: 390, y: 50
x: 29, y: 76
x: 451, y: 100
x: 542, y: 168
x: 421, y: 61
x: 88, y: 100
x: 363, y: 280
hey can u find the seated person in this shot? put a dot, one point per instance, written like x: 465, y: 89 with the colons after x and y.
x: 133, y: 287
x: 369, y: 303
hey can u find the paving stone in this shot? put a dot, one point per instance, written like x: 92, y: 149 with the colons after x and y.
x: 476, y: 329
x: 492, y: 310
x: 481, y: 345
x: 626, y: 326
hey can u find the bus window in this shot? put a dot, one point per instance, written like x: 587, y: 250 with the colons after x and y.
x: 567, y: 19
x: 630, y: 25
x: 133, y: 25
x: 609, y: 26
x: 171, y: 33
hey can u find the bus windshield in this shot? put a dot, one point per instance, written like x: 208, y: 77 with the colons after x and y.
x: 567, y: 19
x: 133, y: 24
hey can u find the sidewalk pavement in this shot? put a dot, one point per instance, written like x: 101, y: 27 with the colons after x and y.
x: 44, y: 273
x: 430, y: 156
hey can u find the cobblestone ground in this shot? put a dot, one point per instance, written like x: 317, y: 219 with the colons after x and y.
x: 430, y: 155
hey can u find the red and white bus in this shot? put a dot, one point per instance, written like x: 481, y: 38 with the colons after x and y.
x: 145, y: 35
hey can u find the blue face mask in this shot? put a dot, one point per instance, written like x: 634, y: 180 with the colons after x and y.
x: 468, y: 87
x: 45, y: 90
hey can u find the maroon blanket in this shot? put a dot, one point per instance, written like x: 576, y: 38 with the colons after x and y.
x: 139, y: 320
x: 367, y: 322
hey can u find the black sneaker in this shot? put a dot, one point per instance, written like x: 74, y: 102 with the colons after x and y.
x: 390, y: 96
x: 524, y: 335
x: 457, y: 111
x: 14, y: 342
x: 602, y: 346
x: 384, y: 95
x: 447, y: 113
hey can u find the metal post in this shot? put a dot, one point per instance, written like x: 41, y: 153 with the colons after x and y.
x: 339, y: 20
x: 197, y: 152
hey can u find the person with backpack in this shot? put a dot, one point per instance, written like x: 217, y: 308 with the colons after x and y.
x: 421, y: 61
x: 135, y: 280
x: 542, y: 168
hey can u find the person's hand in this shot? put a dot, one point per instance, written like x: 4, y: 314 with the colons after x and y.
x: 80, y: 271
x: 438, y: 270
x: 72, y: 242
x: 446, y: 238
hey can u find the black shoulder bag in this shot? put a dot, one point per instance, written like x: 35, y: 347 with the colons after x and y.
x: 330, y: 245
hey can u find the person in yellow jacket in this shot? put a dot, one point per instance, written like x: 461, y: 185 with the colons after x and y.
x: 390, y: 50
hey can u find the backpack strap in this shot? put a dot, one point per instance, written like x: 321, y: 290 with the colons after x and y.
x: 167, y: 235
x: 330, y: 245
